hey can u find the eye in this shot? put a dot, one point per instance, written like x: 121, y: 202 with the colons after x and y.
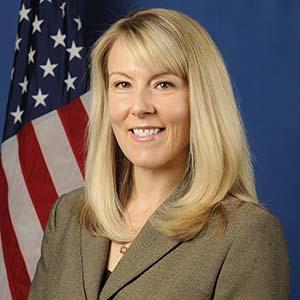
x: 165, y: 84
x: 121, y: 84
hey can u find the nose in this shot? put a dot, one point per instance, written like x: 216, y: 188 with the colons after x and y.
x: 141, y: 103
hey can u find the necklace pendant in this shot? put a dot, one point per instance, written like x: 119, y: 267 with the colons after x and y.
x: 123, y: 249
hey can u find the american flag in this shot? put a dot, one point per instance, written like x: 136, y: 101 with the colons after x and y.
x: 42, y: 152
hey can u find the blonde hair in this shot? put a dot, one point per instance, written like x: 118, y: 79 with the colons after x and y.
x: 219, y: 166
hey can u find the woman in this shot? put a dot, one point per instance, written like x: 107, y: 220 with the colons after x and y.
x: 169, y: 210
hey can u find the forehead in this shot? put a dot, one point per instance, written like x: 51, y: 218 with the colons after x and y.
x: 120, y: 59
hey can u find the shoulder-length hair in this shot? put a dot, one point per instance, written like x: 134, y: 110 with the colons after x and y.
x: 219, y: 166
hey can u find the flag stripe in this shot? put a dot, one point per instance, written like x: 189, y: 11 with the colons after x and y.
x: 38, y: 180
x: 24, y: 219
x: 14, y: 262
x: 58, y: 156
x: 86, y: 101
x: 5, y: 291
x: 74, y: 119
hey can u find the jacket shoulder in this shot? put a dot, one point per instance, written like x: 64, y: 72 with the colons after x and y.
x: 256, y: 216
x: 242, y: 213
x: 67, y: 206
x: 252, y: 224
x: 63, y: 221
x: 255, y: 264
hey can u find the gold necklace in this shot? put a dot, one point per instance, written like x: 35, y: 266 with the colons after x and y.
x: 123, y: 248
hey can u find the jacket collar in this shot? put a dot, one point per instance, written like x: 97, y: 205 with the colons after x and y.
x: 148, y: 247
x: 94, y: 254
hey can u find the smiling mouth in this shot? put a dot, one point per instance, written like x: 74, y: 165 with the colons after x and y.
x: 144, y: 133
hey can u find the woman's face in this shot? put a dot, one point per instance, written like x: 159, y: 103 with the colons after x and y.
x: 148, y: 112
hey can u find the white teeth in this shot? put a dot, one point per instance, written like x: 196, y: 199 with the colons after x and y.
x: 146, y: 132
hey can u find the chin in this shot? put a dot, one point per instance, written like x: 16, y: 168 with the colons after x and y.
x: 147, y: 163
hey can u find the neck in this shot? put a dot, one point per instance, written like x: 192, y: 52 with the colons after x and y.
x: 151, y: 187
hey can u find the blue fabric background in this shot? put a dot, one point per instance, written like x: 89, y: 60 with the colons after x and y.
x: 260, y: 42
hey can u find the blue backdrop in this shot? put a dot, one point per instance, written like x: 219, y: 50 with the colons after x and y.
x: 260, y: 42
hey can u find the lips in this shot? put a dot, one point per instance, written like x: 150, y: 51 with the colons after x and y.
x: 146, y: 135
x: 146, y: 127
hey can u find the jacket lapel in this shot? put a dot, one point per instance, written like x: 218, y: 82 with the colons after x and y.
x: 148, y: 247
x: 94, y: 254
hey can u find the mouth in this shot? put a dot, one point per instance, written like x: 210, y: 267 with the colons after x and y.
x: 146, y: 134
x: 143, y: 132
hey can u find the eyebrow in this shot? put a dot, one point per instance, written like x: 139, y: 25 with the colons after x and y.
x: 154, y: 76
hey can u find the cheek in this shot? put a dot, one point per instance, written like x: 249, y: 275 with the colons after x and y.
x: 117, y: 110
x: 178, y: 115
x: 178, y: 118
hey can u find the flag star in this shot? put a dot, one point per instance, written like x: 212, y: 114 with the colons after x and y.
x: 18, y: 41
x: 24, y: 13
x: 74, y: 51
x: 78, y: 21
x: 40, y: 98
x: 59, y: 39
x: 62, y: 7
x: 36, y: 24
x: 30, y: 55
x: 17, y: 115
x: 24, y: 85
x: 48, y: 68
x: 70, y: 82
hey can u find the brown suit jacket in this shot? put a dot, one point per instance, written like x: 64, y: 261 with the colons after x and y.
x: 249, y: 262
